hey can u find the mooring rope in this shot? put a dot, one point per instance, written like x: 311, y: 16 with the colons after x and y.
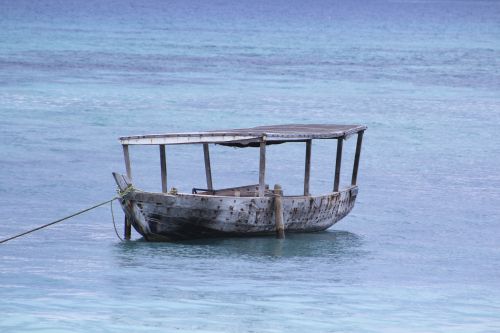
x: 57, y: 221
x: 114, y: 224
x: 121, y: 194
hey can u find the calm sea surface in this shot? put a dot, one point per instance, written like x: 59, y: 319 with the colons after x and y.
x: 420, y: 252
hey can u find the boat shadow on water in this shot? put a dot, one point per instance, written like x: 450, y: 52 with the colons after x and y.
x: 335, y: 244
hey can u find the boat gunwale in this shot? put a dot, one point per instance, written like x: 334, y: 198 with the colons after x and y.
x: 194, y: 195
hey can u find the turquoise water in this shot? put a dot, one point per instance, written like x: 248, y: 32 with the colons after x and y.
x: 420, y: 251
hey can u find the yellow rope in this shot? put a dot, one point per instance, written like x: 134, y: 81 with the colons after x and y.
x: 126, y: 191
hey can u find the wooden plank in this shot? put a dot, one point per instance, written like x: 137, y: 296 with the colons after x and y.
x: 208, y: 169
x: 262, y: 167
x: 187, y: 138
x: 163, y: 165
x: 356, y: 158
x: 307, y: 171
x: 338, y: 162
x: 127, y: 232
x: 275, y: 133
x: 278, y: 212
x: 127, y: 161
x: 121, y: 180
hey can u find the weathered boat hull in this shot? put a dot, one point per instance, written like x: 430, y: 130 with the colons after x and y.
x: 162, y: 216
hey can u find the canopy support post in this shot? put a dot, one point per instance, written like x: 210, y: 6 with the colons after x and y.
x: 126, y: 157
x: 338, y: 162
x: 356, y: 158
x: 262, y: 167
x: 278, y: 212
x: 307, y: 171
x: 208, y: 169
x: 163, y: 165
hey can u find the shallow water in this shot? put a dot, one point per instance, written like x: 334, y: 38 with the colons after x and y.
x: 420, y: 251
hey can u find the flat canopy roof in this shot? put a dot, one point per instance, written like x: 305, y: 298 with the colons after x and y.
x: 245, y: 137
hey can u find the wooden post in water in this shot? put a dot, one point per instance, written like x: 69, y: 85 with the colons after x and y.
x: 163, y: 165
x: 338, y: 162
x: 356, y: 158
x: 127, y: 162
x: 262, y: 167
x: 208, y: 169
x: 127, y: 229
x: 278, y: 211
x: 307, y: 171
x: 127, y: 225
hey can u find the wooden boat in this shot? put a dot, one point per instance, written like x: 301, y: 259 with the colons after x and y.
x: 237, y: 211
